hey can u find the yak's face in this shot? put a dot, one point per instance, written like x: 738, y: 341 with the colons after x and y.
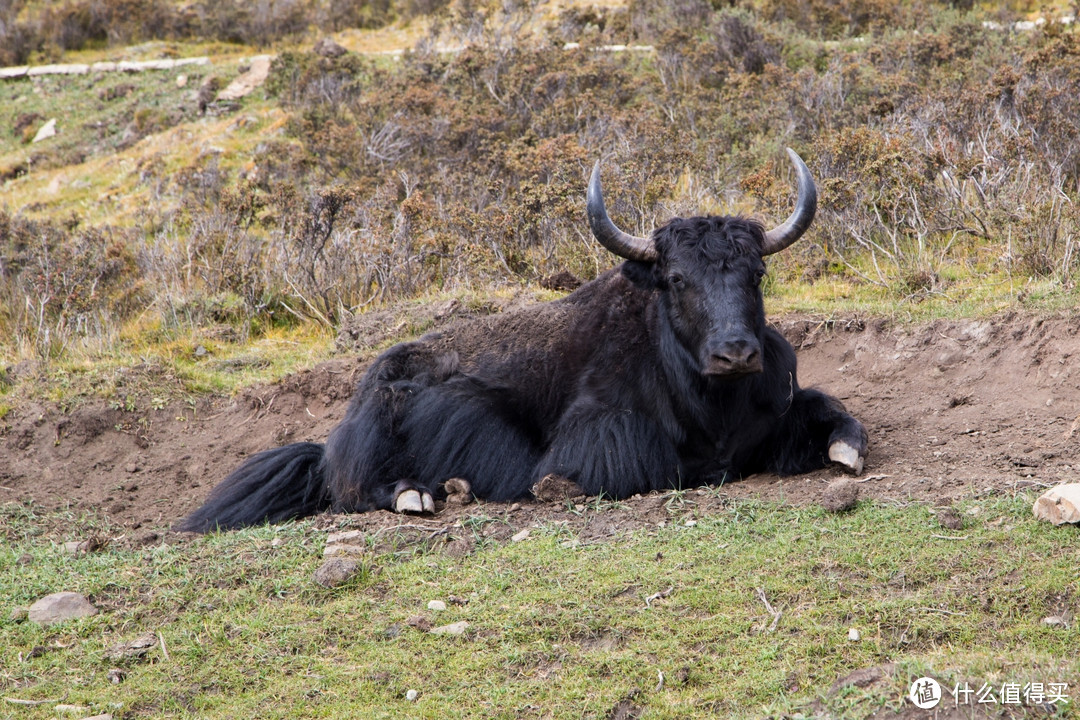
x: 709, y: 273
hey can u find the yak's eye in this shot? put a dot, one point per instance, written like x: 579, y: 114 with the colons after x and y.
x: 759, y: 275
x: 676, y: 280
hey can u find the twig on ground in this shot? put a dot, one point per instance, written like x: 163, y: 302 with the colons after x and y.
x: 33, y: 703
x: 658, y: 596
x: 771, y: 610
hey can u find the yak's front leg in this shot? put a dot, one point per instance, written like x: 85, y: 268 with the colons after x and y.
x: 615, y: 452
x: 817, y: 429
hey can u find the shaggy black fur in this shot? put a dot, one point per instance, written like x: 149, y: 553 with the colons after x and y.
x: 651, y: 376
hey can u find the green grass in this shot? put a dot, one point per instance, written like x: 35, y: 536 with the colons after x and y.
x: 556, y: 629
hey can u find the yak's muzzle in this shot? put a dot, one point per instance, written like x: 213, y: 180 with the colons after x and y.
x: 732, y: 358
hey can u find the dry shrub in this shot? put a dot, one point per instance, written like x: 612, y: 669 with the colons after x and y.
x: 77, y: 24
x: 59, y: 284
x: 956, y: 144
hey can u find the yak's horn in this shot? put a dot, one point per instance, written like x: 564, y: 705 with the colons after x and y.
x: 780, y: 237
x: 622, y: 244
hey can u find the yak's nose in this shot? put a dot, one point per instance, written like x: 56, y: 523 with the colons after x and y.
x: 734, y: 357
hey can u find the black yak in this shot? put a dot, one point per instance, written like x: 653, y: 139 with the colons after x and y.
x: 658, y: 374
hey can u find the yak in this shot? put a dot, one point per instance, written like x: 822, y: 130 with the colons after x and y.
x: 660, y: 373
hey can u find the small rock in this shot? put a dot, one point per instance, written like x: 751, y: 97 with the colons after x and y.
x: 690, y: 523
x: 83, y: 547
x: 458, y: 491
x: 342, y: 550
x: 200, y: 351
x: 1056, y: 621
x: 24, y: 559
x: 392, y: 631
x: 853, y: 635
x: 328, y: 48
x: 457, y: 628
x: 335, y: 571
x: 519, y: 536
x: 47, y: 131
x: 247, y: 81
x: 18, y: 614
x: 556, y: 488
x: 133, y: 650
x: 419, y: 622
x: 59, y: 607
x: 436, y: 605
x: 950, y: 519
x: 411, y: 695
x: 181, y: 80
x: 340, y: 537
x: 102, y: 716
x: 70, y: 709
x: 116, y: 675
x: 840, y: 496
x: 1059, y: 505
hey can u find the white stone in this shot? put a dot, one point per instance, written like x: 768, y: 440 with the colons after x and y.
x: 59, y: 607
x: 436, y: 605
x: 457, y: 628
x: 247, y: 82
x: 411, y: 695
x: 337, y: 537
x: 47, y: 131
x: 518, y: 537
x: 853, y: 635
x: 1059, y: 505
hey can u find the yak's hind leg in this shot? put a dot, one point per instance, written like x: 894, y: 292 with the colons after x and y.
x: 817, y: 430
x: 364, y: 457
x: 617, y: 453
x: 466, y: 429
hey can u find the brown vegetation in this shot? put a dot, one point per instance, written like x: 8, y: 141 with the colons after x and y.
x: 77, y: 24
x: 953, y: 146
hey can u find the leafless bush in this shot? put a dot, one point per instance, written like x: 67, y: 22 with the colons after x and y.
x: 60, y: 288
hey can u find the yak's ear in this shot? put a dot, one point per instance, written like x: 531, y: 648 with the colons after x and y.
x: 644, y: 275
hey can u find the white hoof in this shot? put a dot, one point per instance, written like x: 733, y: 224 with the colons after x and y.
x: 842, y: 453
x: 409, y: 502
x: 428, y: 502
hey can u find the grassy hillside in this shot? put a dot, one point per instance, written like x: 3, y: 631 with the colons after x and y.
x: 945, y: 146
x: 740, y: 611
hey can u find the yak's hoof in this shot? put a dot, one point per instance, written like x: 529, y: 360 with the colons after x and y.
x: 412, y: 501
x: 842, y: 453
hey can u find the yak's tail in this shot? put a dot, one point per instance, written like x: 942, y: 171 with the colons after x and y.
x: 273, y: 486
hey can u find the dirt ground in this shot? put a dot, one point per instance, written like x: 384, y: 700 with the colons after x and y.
x: 954, y: 409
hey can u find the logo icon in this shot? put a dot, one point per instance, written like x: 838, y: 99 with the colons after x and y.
x: 925, y: 693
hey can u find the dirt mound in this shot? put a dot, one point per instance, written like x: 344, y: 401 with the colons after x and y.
x: 954, y: 408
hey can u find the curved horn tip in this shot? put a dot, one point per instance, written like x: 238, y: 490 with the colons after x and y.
x: 806, y: 207
x: 605, y: 231
x: 593, y: 188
